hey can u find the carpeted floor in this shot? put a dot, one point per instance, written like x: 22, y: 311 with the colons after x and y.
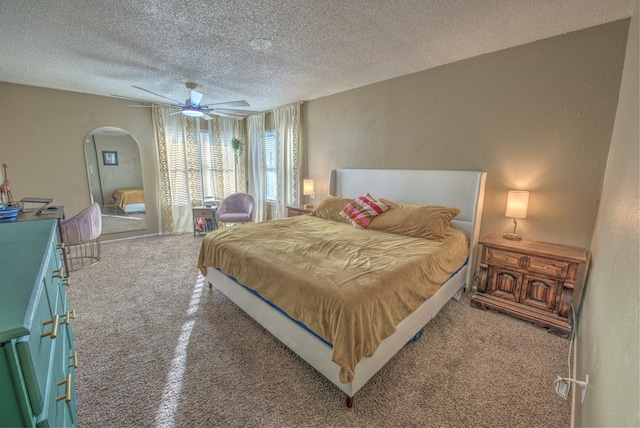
x: 114, y: 220
x: 157, y: 348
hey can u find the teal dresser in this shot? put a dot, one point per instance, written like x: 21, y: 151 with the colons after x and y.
x: 37, y: 357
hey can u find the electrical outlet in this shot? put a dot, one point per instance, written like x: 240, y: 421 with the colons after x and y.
x: 562, y: 387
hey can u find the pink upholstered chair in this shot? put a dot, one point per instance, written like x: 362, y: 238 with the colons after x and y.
x: 236, y: 208
x: 81, y: 237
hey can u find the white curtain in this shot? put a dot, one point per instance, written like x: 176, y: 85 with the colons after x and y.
x: 257, y: 171
x: 286, y: 181
x: 287, y: 127
x: 196, y: 165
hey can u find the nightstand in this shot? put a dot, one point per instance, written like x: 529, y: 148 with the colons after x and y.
x: 204, y: 219
x: 294, y: 210
x: 532, y: 280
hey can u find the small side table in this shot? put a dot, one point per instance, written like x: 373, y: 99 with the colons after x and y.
x: 295, y: 210
x: 204, y: 219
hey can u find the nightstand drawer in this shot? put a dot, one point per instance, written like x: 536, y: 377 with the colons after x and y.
x: 541, y: 265
x: 548, y: 267
x: 203, y: 212
x: 505, y: 258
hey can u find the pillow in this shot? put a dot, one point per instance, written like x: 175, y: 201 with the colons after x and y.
x: 362, y: 210
x: 419, y: 221
x: 330, y: 209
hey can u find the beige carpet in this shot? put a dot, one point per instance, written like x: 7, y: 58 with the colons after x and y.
x: 157, y: 348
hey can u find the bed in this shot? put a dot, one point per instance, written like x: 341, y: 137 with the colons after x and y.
x: 377, y: 333
x: 129, y: 199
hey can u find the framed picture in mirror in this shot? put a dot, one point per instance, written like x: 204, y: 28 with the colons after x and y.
x: 109, y: 158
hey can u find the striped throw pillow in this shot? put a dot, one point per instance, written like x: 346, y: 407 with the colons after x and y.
x: 362, y: 210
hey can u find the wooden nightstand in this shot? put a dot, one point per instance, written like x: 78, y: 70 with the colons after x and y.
x: 204, y: 219
x: 532, y: 280
x: 293, y: 211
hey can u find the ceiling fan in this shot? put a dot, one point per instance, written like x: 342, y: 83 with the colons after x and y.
x: 192, y: 106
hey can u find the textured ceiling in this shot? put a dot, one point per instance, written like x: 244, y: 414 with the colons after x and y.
x: 317, y: 47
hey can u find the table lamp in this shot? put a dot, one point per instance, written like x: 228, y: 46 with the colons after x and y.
x: 307, y: 190
x: 517, y: 204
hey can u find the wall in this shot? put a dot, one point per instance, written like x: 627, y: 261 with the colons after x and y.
x: 608, y: 330
x: 42, y: 135
x: 536, y: 117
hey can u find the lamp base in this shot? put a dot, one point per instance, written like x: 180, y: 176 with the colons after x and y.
x: 512, y: 236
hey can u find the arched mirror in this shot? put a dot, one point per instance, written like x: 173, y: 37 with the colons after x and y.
x: 115, y: 179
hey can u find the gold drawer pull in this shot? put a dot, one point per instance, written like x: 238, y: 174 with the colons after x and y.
x: 74, y: 357
x: 54, y: 329
x: 67, y: 281
x: 59, y: 273
x: 69, y: 316
x: 60, y: 246
x: 67, y: 390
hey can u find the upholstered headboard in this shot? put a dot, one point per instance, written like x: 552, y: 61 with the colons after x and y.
x: 460, y: 189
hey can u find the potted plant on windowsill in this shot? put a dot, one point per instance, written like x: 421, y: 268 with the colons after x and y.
x: 237, y: 147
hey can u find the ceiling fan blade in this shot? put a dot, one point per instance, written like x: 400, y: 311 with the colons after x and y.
x: 240, y: 112
x: 241, y: 103
x: 138, y: 100
x: 158, y: 95
x: 207, y: 117
x: 196, y: 97
x: 230, y: 116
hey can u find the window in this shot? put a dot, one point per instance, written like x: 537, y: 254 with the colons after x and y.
x: 218, y: 175
x: 177, y: 174
x: 271, y: 158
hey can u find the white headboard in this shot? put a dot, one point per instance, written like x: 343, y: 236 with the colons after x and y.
x: 460, y: 189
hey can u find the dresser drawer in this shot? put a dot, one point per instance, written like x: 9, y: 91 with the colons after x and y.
x: 35, y: 351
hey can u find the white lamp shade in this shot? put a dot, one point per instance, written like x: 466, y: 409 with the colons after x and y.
x: 307, y: 187
x: 517, y: 204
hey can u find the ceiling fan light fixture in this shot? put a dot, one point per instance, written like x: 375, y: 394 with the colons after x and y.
x: 192, y: 112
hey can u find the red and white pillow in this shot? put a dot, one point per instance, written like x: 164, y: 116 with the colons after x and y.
x: 362, y: 210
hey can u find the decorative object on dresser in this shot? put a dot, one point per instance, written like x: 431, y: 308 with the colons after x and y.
x: 532, y: 280
x: 37, y: 356
x: 5, y: 188
x: 307, y: 190
x: 294, y: 210
x: 517, y: 204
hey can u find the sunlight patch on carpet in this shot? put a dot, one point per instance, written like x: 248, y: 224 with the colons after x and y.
x: 165, y: 417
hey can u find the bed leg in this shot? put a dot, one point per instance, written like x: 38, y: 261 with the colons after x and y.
x: 210, y: 285
x: 348, y: 400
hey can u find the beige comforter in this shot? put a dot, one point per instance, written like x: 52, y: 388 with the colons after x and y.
x: 350, y: 286
x: 128, y: 195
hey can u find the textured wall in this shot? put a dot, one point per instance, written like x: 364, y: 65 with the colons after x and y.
x: 608, y: 332
x: 536, y: 117
x: 42, y: 135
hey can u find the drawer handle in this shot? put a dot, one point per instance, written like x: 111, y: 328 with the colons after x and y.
x: 69, y: 316
x: 67, y: 389
x: 60, y: 246
x: 54, y: 329
x: 73, y: 357
x: 67, y: 281
x: 59, y: 273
